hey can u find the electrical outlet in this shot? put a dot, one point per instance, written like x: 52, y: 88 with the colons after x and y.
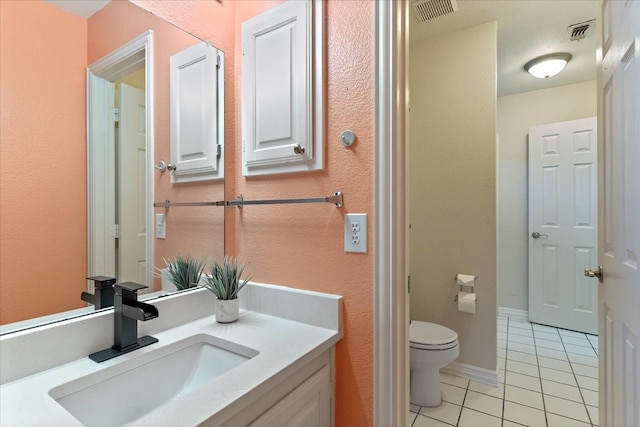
x: 355, y: 233
x: 161, y: 226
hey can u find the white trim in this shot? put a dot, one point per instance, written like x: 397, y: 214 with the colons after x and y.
x: 390, y: 311
x: 111, y: 67
x: 513, y: 312
x: 474, y: 373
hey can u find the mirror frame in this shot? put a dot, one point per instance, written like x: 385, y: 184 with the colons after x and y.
x: 116, y: 64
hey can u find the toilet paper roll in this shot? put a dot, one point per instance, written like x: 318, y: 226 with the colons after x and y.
x: 467, y: 302
x: 465, y: 279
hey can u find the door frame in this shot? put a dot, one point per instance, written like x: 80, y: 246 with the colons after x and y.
x: 390, y: 276
x: 122, y: 61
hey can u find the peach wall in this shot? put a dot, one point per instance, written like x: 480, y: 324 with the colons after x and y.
x: 43, y: 246
x: 197, y: 231
x: 302, y: 245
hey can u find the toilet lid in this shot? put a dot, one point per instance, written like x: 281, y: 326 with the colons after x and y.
x: 430, y: 333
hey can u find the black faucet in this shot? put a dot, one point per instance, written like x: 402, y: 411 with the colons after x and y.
x: 103, y: 295
x: 127, y: 311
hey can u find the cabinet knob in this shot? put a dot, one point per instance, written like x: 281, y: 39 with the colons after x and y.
x: 298, y: 149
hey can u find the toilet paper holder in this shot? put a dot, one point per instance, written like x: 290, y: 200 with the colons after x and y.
x: 455, y: 299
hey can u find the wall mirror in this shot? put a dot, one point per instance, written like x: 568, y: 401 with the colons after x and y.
x: 50, y: 197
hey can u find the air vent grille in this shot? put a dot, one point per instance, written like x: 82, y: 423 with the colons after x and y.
x: 430, y: 9
x: 581, y: 31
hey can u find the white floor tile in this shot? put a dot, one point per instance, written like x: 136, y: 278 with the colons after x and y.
x: 590, y: 397
x: 566, y: 408
x: 558, y: 421
x: 411, y: 417
x: 522, y: 348
x: 487, y: 389
x: 583, y: 341
x: 521, y: 332
x: 588, y: 383
x: 446, y: 412
x: 561, y: 390
x: 544, y: 328
x: 583, y: 360
x: 593, y: 413
x: 524, y: 397
x: 501, y: 362
x: 524, y: 415
x: 522, y: 357
x: 553, y: 354
x: 523, y: 381
x: 568, y: 333
x: 502, y: 344
x: 471, y: 418
x: 506, y: 423
x: 578, y: 349
x: 502, y: 328
x: 553, y: 345
x: 453, y: 380
x: 584, y: 370
x: 558, y: 376
x: 422, y: 421
x: 549, y: 336
x: 414, y: 408
x: 520, y: 339
x: 483, y: 403
x: 522, y: 368
x: 502, y: 336
x: 560, y: 365
x: 452, y: 394
x: 502, y: 352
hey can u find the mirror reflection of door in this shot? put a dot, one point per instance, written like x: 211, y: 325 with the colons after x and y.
x: 130, y: 200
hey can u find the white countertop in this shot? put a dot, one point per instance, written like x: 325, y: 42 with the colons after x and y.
x: 283, y: 346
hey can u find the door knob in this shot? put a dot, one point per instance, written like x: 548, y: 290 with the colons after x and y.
x: 599, y: 273
x: 298, y: 149
x: 537, y: 235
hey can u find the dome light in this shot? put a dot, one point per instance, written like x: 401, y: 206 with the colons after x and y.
x: 547, y: 66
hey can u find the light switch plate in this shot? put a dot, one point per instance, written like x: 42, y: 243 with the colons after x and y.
x: 161, y: 226
x: 355, y: 233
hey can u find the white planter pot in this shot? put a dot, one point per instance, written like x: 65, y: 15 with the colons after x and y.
x: 227, y: 310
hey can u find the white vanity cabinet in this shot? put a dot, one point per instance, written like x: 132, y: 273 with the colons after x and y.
x: 197, y: 113
x: 283, y: 89
x: 303, y: 399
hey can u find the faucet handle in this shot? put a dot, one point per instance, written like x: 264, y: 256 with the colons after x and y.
x: 129, y: 287
x: 102, y: 281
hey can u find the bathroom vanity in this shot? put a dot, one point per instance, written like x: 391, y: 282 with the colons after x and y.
x: 274, y: 364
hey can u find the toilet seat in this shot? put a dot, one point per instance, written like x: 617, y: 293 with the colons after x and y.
x: 431, y: 336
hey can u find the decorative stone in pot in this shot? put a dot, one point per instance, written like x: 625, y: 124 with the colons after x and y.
x: 224, y: 281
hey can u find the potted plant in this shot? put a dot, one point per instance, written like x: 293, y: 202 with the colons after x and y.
x: 185, y: 271
x: 225, y: 283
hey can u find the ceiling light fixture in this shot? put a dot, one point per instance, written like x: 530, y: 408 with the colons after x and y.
x: 547, y: 66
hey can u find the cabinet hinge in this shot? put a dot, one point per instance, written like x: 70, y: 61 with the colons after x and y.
x: 115, y: 115
x: 115, y: 231
x: 408, y: 284
x: 218, y: 150
x: 243, y: 145
x: 218, y: 61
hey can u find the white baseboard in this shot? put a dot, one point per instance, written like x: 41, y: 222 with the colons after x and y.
x: 481, y: 375
x: 513, y: 312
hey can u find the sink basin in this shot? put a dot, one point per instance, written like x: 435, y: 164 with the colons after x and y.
x: 133, y: 388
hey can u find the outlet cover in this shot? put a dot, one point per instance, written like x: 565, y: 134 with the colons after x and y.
x: 355, y: 233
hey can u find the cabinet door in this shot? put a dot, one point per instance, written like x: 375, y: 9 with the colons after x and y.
x: 282, y: 89
x: 197, y: 107
x: 308, y: 405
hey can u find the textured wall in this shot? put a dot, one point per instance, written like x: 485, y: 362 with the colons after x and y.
x: 43, y: 236
x: 515, y: 114
x: 452, y: 180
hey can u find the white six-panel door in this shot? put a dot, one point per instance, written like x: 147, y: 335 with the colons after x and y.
x: 563, y: 224
x: 619, y: 211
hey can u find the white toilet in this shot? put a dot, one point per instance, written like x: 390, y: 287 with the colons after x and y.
x: 431, y: 347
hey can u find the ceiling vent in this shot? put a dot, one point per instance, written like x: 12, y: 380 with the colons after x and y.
x: 430, y: 9
x: 581, y: 31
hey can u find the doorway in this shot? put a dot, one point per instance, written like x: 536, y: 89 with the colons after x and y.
x: 105, y: 250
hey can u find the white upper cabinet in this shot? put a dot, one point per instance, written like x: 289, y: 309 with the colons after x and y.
x: 197, y: 114
x: 283, y: 89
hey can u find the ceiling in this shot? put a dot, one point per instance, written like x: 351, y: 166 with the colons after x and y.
x: 526, y: 29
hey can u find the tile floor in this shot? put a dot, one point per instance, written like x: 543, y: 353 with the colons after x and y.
x: 548, y: 378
